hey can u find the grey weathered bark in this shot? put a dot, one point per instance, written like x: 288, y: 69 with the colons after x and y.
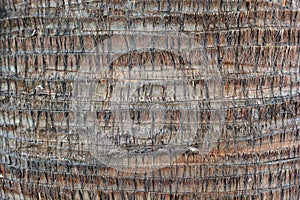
x: 215, y: 84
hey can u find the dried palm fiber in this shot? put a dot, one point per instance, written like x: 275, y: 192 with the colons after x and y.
x: 149, y: 99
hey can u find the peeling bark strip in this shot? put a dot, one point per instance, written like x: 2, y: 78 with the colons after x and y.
x: 209, y: 87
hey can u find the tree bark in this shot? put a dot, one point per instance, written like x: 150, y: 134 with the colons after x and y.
x: 149, y: 99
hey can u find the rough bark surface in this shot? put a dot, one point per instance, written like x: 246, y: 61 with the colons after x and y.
x: 149, y: 99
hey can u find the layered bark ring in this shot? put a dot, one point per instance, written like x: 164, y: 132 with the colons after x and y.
x: 150, y: 98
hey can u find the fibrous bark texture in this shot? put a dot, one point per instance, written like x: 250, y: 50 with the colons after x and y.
x: 149, y: 99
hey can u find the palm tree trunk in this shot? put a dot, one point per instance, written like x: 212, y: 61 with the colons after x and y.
x: 141, y: 99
